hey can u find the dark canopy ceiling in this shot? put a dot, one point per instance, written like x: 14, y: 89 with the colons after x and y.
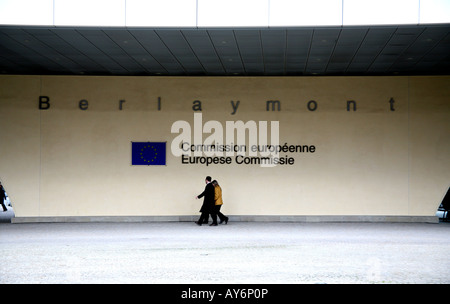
x: 373, y: 50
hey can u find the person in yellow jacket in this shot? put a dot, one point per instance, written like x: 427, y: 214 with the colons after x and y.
x: 218, y: 202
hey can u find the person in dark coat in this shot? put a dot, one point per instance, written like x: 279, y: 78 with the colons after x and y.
x: 208, y: 202
x: 3, y: 196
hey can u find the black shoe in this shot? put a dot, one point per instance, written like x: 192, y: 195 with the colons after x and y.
x: 226, y: 221
x: 198, y: 223
x: 213, y: 224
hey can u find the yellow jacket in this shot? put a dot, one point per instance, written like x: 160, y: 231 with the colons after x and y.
x: 218, y: 195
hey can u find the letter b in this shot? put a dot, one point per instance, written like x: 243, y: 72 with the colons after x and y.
x: 44, y: 102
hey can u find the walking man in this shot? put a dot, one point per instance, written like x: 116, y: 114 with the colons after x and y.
x: 208, y: 202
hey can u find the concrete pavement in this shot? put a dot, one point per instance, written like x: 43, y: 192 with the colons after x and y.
x: 181, y: 252
x: 6, y: 216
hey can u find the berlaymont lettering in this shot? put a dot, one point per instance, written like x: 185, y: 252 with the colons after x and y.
x: 271, y: 105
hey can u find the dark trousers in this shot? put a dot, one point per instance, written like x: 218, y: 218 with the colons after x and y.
x: 203, y: 218
x: 217, y: 213
x: 4, y: 206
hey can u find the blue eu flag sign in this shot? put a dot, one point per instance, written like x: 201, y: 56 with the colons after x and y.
x: 148, y: 153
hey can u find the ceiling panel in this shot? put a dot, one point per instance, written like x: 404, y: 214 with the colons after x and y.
x: 225, y: 44
x: 129, y: 46
x: 181, y: 50
x: 203, y: 48
x: 369, y: 50
x: 156, y: 48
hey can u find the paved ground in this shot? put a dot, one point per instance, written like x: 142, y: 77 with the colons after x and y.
x: 235, y: 253
x: 5, y: 216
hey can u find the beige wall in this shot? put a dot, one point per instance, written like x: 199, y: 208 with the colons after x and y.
x: 68, y: 162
